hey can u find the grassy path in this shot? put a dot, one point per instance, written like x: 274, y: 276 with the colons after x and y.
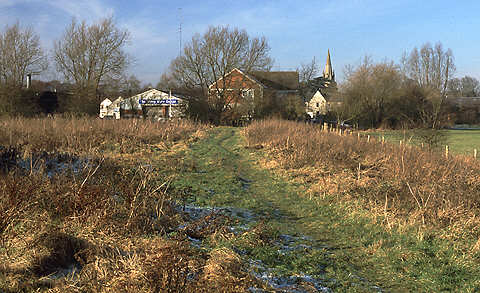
x: 353, y: 254
x: 225, y: 173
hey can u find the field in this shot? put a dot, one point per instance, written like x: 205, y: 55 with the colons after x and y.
x: 137, y: 206
x: 461, y: 142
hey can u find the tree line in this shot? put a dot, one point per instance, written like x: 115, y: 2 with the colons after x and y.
x: 90, y: 60
x: 418, y: 92
x: 92, y: 63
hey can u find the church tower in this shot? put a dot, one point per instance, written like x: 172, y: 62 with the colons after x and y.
x: 328, y: 72
x: 322, y: 92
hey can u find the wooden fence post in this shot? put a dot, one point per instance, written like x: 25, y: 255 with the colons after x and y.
x: 474, y: 153
x: 368, y: 138
x: 446, y: 151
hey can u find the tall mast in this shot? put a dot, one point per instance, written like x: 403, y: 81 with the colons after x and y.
x: 180, y: 29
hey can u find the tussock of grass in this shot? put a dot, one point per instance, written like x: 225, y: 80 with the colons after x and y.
x: 212, y: 224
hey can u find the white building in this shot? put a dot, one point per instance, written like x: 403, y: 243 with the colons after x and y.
x: 317, y: 105
x: 321, y: 94
x: 109, y: 109
x: 152, y: 103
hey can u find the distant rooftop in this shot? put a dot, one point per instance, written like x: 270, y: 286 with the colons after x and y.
x: 281, y: 80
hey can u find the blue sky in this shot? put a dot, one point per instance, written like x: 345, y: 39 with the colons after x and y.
x: 296, y: 30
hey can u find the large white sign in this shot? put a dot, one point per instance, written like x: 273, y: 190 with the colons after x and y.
x: 158, y: 102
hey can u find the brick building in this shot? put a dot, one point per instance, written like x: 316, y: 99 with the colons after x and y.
x: 240, y: 94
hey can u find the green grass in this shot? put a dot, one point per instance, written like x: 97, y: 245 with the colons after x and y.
x: 461, y: 142
x: 358, y: 253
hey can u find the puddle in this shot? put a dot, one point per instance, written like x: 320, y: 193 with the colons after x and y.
x: 195, y: 212
x: 70, y: 272
x: 286, y: 244
x: 49, y: 163
x: 297, y: 283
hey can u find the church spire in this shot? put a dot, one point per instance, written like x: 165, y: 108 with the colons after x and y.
x: 328, y: 72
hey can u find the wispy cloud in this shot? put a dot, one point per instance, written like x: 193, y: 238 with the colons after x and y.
x: 49, y: 14
x: 85, y: 10
x: 6, y: 17
x: 149, y: 45
x: 143, y: 31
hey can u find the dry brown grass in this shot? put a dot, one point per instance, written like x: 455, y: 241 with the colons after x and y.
x: 224, y: 271
x: 62, y: 222
x: 404, y: 184
x: 81, y: 135
x: 102, y: 227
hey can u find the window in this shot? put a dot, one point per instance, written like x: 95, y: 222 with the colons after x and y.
x: 248, y: 94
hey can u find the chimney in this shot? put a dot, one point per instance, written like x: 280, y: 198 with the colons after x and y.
x: 29, y: 80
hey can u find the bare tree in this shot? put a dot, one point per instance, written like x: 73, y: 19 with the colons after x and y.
x: 431, y: 67
x: 20, y: 54
x: 88, y: 55
x: 466, y: 86
x: 211, y: 56
x: 455, y: 87
x: 369, y: 91
x: 167, y: 82
x: 125, y: 86
x: 308, y: 71
x: 132, y: 86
